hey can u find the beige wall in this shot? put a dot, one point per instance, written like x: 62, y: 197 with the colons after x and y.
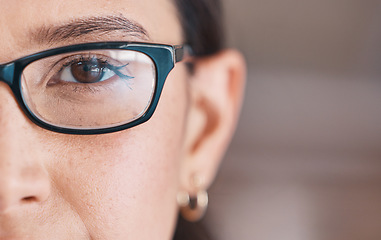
x: 306, y: 160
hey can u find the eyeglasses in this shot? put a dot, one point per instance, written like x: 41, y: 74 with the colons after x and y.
x: 92, y: 88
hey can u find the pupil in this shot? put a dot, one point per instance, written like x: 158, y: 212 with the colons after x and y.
x: 86, y: 68
x: 87, y: 71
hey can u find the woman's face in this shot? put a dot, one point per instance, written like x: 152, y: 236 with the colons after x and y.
x: 114, y: 186
x: 120, y: 185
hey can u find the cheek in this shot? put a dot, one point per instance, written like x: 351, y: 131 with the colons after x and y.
x: 119, y: 184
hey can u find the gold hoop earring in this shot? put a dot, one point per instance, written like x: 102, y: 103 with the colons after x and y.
x: 193, y: 208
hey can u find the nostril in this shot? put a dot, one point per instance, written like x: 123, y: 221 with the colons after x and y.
x: 29, y: 199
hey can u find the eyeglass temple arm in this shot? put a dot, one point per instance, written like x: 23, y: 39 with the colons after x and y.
x: 183, y: 53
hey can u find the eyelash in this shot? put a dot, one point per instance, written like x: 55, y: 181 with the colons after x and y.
x: 105, y: 64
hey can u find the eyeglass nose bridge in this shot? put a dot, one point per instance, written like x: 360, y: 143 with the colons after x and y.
x: 7, y: 73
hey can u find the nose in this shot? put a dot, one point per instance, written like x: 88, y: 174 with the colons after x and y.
x: 24, y: 182
x: 21, y: 186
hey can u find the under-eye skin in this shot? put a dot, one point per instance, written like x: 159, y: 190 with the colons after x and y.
x: 85, y: 70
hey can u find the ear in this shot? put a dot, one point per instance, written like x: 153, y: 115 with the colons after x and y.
x: 216, y: 91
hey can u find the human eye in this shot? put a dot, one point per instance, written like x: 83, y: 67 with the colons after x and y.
x: 87, y: 69
x: 100, y: 87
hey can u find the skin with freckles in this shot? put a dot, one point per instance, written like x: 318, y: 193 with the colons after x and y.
x: 121, y: 185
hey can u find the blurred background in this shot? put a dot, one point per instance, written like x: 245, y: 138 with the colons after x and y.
x: 305, y: 162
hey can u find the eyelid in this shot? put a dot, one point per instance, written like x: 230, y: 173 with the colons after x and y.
x: 82, y: 57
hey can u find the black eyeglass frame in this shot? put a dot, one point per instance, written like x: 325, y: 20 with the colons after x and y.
x: 163, y: 56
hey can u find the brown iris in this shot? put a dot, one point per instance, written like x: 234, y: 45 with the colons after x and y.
x: 87, y: 71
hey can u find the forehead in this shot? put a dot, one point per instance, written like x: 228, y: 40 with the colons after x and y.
x: 19, y: 18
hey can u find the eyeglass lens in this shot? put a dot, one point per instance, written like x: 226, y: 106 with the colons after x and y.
x: 90, y: 89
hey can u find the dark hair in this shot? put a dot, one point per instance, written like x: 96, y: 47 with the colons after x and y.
x: 202, y: 25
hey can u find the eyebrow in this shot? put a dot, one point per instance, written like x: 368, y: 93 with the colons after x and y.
x: 95, y: 26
